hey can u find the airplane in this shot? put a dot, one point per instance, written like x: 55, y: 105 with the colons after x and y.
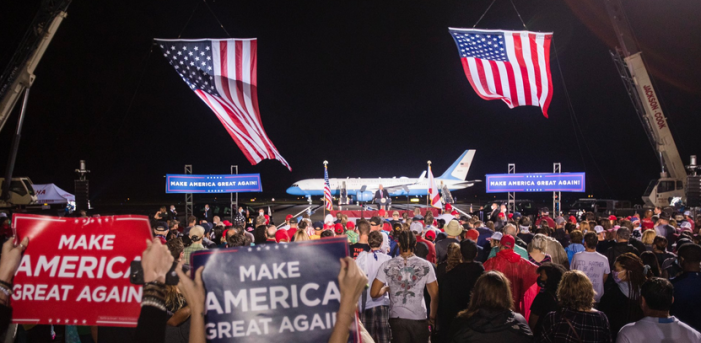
x: 363, y: 189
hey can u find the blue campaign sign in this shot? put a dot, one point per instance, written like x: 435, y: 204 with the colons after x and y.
x: 535, y: 182
x: 272, y: 292
x: 225, y: 183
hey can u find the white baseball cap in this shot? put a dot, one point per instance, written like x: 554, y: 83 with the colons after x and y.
x: 599, y: 229
x: 497, y: 236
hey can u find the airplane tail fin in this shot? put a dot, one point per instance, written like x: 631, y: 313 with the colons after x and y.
x: 458, y: 170
x: 422, y: 177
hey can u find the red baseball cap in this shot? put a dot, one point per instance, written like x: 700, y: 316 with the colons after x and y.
x: 382, y: 213
x: 448, y: 207
x: 472, y: 234
x: 454, y: 213
x: 573, y: 219
x: 338, y: 229
x: 510, y: 216
x: 508, y: 241
x: 288, y: 217
x: 350, y: 225
x: 612, y: 217
x: 430, y: 235
x: 281, y: 235
x: 501, y: 214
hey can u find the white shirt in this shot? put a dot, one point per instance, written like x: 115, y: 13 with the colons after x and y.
x: 406, y: 286
x: 385, y: 242
x: 649, y: 330
x: 594, y: 265
x: 367, y: 262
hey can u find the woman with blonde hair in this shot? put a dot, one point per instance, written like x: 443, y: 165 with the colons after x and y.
x: 300, y: 236
x: 649, y: 238
x: 489, y: 316
x: 453, y: 259
x: 536, y: 251
x: 576, y: 321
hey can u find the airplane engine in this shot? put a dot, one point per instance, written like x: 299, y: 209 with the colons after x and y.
x: 364, y: 196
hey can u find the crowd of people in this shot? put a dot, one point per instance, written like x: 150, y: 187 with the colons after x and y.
x: 425, y: 277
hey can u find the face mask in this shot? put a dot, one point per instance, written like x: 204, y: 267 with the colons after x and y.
x: 540, y: 283
x: 616, y: 276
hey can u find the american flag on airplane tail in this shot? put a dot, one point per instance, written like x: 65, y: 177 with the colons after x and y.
x: 222, y: 72
x: 513, y: 66
x: 327, y: 190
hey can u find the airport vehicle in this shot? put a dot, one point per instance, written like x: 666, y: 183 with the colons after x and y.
x: 363, y: 189
x: 21, y: 193
x: 629, y: 61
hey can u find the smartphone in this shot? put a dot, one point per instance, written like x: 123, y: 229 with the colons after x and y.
x: 136, y: 276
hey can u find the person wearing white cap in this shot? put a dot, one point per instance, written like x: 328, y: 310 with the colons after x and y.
x: 495, y: 242
x: 687, y: 217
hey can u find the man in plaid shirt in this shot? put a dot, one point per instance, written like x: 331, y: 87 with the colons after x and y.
x: 374, y: 313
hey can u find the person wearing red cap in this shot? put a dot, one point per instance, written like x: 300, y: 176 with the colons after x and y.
x: 281, y: 236
x: 338, y: 229
x: 520, y: 272
x: 287, y: 222
x: 448, y: 208
x: 474, y: 235
x: 430, y: 236
x: 292, y: 228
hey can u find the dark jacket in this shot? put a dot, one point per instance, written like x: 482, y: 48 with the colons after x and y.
x: 636, y: 243
x: 619, y: 309
x: 454, y: 293
x: 618, y: 249
x: 490, y: 326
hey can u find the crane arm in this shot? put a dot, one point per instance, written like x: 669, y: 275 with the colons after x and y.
x: 645, y: 101
x: 19, y: 74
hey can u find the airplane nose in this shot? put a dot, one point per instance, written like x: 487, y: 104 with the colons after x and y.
x: 294, y: 191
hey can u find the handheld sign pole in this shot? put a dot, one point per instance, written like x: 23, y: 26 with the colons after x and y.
x: 272, y: 292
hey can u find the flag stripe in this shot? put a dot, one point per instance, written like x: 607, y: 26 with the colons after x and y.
x: 223, y: 74
x: 518, y: 78
x: 536, y: 67
x: 241, y: 140
x: 513, y: 66
x: 546, y: 60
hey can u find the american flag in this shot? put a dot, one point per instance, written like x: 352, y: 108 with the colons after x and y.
x: 327, y: 190
x: 222, y: 72
x: 513, y: 66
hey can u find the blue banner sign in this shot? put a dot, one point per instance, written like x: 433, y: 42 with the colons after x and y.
x: 535, y: 182
x: 272, y: 292
x: 225, y: 183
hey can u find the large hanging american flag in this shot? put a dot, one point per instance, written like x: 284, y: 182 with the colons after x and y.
x: 513, y: 66
x: 327, y: 190
x: 222, y: 72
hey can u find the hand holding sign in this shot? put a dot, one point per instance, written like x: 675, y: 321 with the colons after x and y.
x: 156, y: 261
x: 11, y: 256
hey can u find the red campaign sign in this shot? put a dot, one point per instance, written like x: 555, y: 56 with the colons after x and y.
x: 76, y: 270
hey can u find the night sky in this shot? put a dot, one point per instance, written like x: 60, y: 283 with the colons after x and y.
x: 374, y: 87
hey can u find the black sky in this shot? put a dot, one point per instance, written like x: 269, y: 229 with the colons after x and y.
x: 331, y: 75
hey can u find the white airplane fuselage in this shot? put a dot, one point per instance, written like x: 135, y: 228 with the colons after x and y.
x: 363, y: 189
